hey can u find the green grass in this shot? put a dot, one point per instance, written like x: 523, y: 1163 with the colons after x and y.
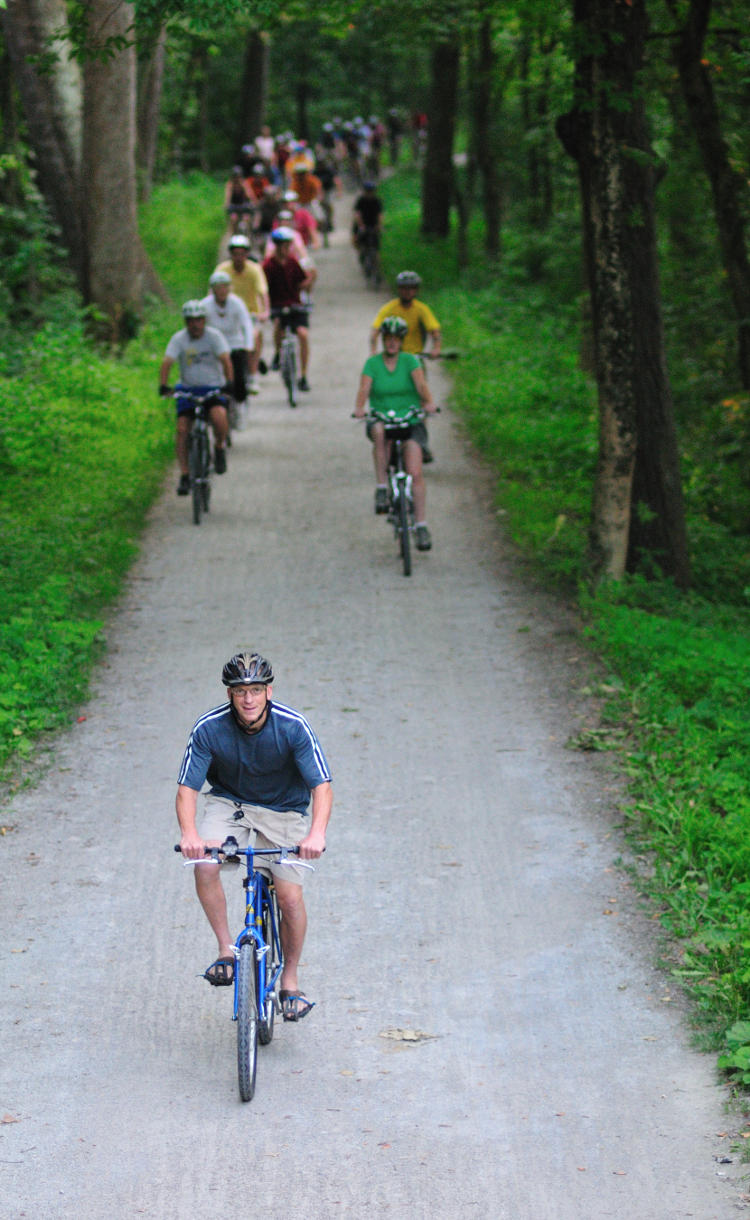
x: 84, y: 444
x: 677, y: 667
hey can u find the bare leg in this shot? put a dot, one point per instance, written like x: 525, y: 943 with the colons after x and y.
x: 413, y: 466
x: 304, y: 349
x: 220, y: 425
x: 293, y: 928
x: 212, y: 898
x: 380, y: 454
x: 183, y: 432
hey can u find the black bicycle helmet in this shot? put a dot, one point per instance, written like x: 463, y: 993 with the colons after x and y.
x: 394, y: 326
x: 408, y: 279
x: 247, y: 667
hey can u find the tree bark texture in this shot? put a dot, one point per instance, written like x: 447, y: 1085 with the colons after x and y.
x: 607, y: 135
x: 254, y: 91
x: 728, y: 186
x: 150, y: 79
x: 109, y: 158
x: 485, y: 141
x: 437, y: 176
x: 59, y: 178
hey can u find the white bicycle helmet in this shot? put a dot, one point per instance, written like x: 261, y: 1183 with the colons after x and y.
x: 194, y: 309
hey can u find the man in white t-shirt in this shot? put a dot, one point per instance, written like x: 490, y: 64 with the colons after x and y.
x: 227, y: 312
x: 202, y: 356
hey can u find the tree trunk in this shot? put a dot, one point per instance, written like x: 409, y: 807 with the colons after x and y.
x: 485, y: 112
x: 150, y: 78
x: 727, y: 185
x: 607, y: 136
x: 437, y: 176
x: 252, y: 100
x: 109, y: 167
x: 59, y: 179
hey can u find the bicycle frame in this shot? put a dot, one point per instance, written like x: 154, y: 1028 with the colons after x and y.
x: 258, y: 903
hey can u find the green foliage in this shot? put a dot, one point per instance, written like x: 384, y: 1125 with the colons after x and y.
x: 678, y: 667
x: 83, y: 445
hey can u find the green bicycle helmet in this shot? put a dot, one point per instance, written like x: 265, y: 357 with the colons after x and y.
x: 394, y: 326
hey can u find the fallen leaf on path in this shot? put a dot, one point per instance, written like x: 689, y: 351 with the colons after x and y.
x: 9, y: 1118
x: 406, y: 1035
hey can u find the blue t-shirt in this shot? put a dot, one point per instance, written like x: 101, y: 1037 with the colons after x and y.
x: 276, y: 767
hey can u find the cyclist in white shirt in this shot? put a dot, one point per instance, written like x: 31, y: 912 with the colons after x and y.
x: 229, y: 314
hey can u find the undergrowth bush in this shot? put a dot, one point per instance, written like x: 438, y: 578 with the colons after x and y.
x: 84, y: 442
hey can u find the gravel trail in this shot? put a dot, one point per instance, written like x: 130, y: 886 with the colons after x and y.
x: 491, y: 1036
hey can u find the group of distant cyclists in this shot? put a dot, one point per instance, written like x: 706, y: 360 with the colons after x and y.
x: 219, y: 350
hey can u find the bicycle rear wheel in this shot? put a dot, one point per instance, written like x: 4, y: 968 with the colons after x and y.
x: 265, y: 1025
x: 404, y: 536
x: 195, y: 466
x: 247, y: 1020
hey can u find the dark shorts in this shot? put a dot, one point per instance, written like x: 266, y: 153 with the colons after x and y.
x: 185, y: 405
x: 296, y: 317
x: 239, y: 367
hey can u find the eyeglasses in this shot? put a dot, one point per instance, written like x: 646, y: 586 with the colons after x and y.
x: 251, y: 691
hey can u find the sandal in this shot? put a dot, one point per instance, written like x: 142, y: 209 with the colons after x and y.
x: 221, y: 972
x: 294, y: 1005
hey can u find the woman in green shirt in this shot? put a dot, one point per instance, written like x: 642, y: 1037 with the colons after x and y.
x: 394, y: 383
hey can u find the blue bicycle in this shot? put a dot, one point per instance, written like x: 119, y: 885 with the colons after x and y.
x: 258, y: 955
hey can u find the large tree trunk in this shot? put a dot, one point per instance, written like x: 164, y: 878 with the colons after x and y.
x: 252, y: 100
x: 48, y: 126
x: 151, y: 53
x: 437, y: 177
x: 607, y: 136
x: 727, y: 185
x: 485, y: 142
x: 109, y: 167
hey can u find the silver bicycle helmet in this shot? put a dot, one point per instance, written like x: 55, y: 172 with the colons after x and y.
x: 194, y: 309
x: 239, y: 239
x: 220, y: 277
x: 246, y: 667
x: 408, y: 279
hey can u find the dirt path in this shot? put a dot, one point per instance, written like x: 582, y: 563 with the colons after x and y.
x: 468, y: 892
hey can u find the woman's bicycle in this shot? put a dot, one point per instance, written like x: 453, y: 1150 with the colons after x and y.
x: 259, y: 959
x: 199, y: 448
x: 400, y: 500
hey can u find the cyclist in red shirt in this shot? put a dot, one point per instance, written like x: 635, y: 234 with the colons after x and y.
x: 286, y: 280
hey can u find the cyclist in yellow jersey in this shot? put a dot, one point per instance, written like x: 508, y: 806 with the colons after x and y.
x: 422, y: 326
x: 248, y: 282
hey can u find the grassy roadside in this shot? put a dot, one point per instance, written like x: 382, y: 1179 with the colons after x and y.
x: 675, y: 704
x: 84, y: 443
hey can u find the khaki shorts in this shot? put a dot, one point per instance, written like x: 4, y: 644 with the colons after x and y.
x: 270, y: 828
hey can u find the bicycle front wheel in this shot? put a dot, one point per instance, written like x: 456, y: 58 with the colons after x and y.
x: 247, y: 1020
x: 403, y: 529
x: 195, y: 467
x: 289, y: 371
x: 206, y: 468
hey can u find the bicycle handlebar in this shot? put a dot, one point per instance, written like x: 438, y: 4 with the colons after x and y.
x: 234, y: 849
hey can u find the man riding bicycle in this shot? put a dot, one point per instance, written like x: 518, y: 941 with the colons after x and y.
x: 286, y: 280
x: 263, y: 764
x: 368, y: 218
x: 202, y: 355
x: 229, y: 314
x: 249, y: 283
